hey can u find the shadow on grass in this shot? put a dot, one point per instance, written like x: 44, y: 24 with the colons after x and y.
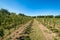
x: 24, y: 38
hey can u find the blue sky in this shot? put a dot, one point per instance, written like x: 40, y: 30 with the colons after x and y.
x: 32, y: 7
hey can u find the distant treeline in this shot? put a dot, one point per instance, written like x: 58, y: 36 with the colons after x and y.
x: 48, y: 16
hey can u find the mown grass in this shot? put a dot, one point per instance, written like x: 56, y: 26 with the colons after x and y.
x: 36, y: 34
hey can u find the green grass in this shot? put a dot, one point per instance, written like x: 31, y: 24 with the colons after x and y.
x: 36, y: 34
x: 6, y: 32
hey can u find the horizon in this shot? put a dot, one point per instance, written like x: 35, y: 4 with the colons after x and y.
x: 32, y: 7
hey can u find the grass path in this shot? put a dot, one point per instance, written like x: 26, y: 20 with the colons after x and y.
x: 36, y: 33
